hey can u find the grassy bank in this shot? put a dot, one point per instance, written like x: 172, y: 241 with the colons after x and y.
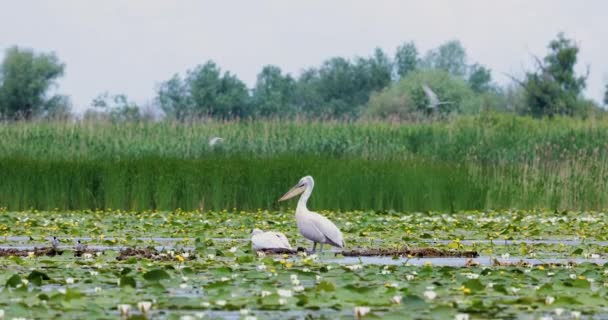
x: 470, y: 163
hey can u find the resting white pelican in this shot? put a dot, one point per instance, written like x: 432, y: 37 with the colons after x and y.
x: 269, y: 240
x: 312, y: 225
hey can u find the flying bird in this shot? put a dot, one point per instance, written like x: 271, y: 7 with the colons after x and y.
x: 312, y: 225
x: 432, y: 97
x: 269, y: 240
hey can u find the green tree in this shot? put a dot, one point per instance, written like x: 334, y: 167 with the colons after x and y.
x: 450, y: 57
x: 216, y: 95
x: 274, y: 93
x: 554, y: 88
x: 174, y: 99
x: 480, y: 78
x: 25, y: 79
x: 606, y: 96
x: 406, y: 59
x: 117, y: 107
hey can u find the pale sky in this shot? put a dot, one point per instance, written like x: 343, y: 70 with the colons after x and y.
x: 128, y: 46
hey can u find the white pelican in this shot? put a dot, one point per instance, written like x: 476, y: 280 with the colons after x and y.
x: 269, y: 240
x: 312, y: 225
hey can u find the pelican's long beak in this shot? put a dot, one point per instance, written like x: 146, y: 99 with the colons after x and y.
x: 296, y: 190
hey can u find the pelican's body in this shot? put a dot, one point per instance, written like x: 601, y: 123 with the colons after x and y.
x: 269, y: 240
x: 312, y: 225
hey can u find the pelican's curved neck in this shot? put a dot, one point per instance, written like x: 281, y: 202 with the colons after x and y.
x: 304, y: 197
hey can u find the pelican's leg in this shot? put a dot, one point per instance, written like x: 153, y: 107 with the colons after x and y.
x: 314, y: 247
x: 320, y: 248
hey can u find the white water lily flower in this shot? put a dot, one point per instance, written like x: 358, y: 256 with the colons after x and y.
x: 233, y: 249
x: 295, y: 282
x: 575, y: 314
x: 471, y: 275
x: 361, y: 312
x: 124, y: 309
x: 144, y: 306
x: 385, y: 272
x: 572, y: 276
x: 87, y: 256
x: 184, y: 278
x: 318, y: 278
x: 293, y: 277
x: 396, y: 299
x: 25, y: 282
x: 62, y: 290
x: 205, y: 304
x: 186, y: 255
x: 265, y: 293
x: 97, y: 289
x: 462, y: 316
x: 69, y: 280
x: 31, y: 254
x: 200, y: 315
x: 250, y: 318
x: 183, y: 285
x: 558, y: 311
x: 223, y: 279
x: 284, y: 293
x: 410, y: 277
x: 595, y: 256
x: 221, y: 303
x: 298, y: 288
x: 354, y: 267
x: 94, y: 273
x: 2, y: 313
x: 549, y: 300
x: 261, y: 267
x: 514, y: 290
x: 210, y: 256
x: 244, y: 312
x: 429, y: 294
x: 282, y: 301
x: 98, y: 253
x: 546, y: 318
x: 186, y: 317
x: 505, y: 255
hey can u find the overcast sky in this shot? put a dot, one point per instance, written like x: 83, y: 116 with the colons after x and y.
x: 124, y: 46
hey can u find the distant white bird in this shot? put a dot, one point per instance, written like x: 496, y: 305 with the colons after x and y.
x: 55, y: 242
x: 432, y: 97
x: 312, y: 225
x: 215, y: 140
x: 269, y: 240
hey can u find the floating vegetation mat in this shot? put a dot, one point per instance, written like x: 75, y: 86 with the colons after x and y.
x: 192, y: 265
x: 410, y: 252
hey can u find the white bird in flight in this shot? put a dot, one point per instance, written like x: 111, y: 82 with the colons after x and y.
x: 312, y: 225
x: 269, y: 240
x: 432, y: 97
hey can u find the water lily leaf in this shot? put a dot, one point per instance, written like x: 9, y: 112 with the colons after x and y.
x: 474, y: 284
x: 36, y: 277
x: 326, y: 286
x: 71, y: 294
x: 13, y: 281
x: 126, y: 281
x: 156, y: 275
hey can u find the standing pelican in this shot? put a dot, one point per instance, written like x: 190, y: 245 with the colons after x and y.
x: 312, y: 225
x: 269, y: 240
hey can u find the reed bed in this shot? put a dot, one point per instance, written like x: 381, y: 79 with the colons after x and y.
x: 480, y: 162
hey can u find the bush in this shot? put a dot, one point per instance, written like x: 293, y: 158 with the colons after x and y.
x: 406, y: 99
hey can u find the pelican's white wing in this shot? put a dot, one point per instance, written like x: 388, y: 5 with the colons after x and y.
x: 329, y: 230
x: 269, y: 240
x: 283, y: 239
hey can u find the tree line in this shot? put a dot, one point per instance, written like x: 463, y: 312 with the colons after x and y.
x: 407, y: 85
